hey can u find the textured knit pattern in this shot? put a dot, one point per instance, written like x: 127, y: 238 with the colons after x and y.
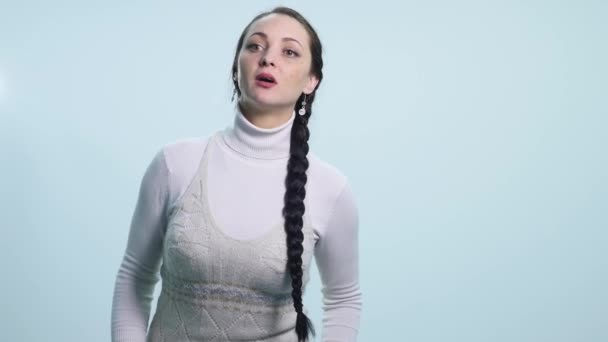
x: 218, y: 288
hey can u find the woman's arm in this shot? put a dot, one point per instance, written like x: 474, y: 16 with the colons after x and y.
x: 337, y: 258
x: 138, y: 272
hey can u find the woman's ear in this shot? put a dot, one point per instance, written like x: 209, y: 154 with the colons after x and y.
x: 311, y: 85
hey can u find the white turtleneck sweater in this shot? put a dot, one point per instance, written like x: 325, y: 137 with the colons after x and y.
x: 246, y: 176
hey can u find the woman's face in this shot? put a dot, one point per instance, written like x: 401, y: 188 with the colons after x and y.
x: 283, y: 44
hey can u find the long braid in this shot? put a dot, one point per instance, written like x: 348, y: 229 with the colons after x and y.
x: 297, y: 165
x: 293, y: 211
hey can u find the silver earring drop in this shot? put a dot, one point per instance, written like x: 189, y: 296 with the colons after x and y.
x: 302, y: 110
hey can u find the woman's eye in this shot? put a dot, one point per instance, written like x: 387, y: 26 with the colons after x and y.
x: 291, y: 52
x: 253, y: 46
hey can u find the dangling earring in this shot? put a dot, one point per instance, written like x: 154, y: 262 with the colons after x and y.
x: 302, y: 110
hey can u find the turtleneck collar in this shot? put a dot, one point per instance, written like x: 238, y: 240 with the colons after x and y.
x: 256, y: 142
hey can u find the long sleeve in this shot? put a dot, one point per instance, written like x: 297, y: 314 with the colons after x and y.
x: 337, y: 258
x: 138, y: 272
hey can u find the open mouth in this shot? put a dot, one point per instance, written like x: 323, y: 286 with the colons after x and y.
x: 266, y: 78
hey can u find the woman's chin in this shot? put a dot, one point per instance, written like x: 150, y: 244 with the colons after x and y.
x: 263, y: 103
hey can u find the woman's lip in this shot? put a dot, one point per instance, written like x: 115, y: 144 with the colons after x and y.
x: 264, y: 84
x: 266, y: 75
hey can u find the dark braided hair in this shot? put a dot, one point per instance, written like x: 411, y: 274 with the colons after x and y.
x: 297, y: 165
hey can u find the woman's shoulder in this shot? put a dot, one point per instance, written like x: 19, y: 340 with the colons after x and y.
x: 329, y: 178
x: 183, y: 151
x: 182, y: 157
x: 321, y: 165
x: 331, y: 199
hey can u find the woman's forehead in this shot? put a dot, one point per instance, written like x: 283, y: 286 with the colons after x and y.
x: 278, y: 26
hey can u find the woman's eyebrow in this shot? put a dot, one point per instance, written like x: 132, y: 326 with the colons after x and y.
x: 283, y: 39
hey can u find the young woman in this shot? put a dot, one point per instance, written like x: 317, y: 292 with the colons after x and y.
x: 236, y: 217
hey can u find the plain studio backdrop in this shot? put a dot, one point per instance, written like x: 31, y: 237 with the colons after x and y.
x: 474, y: 134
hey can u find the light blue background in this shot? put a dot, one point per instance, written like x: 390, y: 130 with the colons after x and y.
x: 474, y: 135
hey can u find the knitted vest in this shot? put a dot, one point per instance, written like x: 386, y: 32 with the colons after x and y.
x: 218, y: 288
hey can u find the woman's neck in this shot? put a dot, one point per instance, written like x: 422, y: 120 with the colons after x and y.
x: 267, y: 118
x: 259, y: 143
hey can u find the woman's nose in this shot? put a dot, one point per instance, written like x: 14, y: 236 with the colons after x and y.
x: 267, y: 59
